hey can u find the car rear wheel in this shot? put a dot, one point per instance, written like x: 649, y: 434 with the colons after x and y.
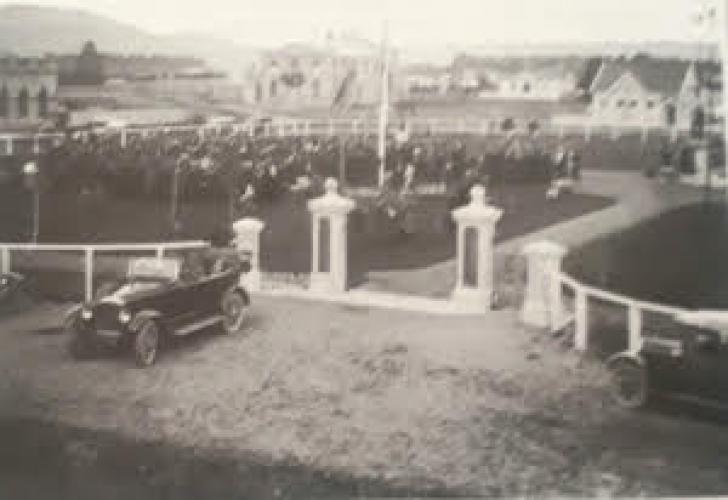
x: 629, y: 381
x: 146, y: 344
x: 234, y: 310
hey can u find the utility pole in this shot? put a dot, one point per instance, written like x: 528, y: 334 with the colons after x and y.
x: 383, y: 108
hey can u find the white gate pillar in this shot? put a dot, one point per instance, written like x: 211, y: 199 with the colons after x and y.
x: 542, y: 305
x: 475, y: 230
x: 330, y: 213
x: 247, y: 240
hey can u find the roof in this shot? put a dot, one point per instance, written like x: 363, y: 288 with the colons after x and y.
x: 663, y: 76
x: 550, y: 67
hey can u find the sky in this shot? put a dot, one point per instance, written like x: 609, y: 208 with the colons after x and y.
x: 410, y: 22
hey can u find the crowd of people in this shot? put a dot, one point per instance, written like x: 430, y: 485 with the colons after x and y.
x: 250, y: 170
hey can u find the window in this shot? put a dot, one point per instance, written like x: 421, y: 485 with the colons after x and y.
x: 620, y: 103
x: 650, y: 104
x: 4, y: 102
x: 43, y: 102
x: 23, y: 103
x: 526, y: 88
x: 316, y: 87
x: 258, y: 92
x: 633, y: 103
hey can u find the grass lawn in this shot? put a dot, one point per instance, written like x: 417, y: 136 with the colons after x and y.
x: 286, y: 240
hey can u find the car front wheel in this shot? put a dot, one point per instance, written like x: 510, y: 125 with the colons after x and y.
x: 629, y: 381
x: 234, y: 310
x: 146, y: 344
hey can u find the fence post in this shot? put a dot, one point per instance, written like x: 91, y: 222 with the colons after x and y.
x: 581, y: 337
x: 9, y: 147
x: 5, y: 264
x: 36, y: 144
x: 331, y: 126
x: 160, y: 252
x: 88, y: 273
x: 247, y: 240
x: 645, y: 134
x: 634, y: 343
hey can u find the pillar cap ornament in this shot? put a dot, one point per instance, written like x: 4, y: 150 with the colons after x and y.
x: 477, y: 211
x: 331, y: 203
x: 544, y: 247
x: 248, y: 224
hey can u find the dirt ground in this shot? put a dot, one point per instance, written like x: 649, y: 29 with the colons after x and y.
x: 466, y: 405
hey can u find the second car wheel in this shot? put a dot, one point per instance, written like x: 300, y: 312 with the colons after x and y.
x: 629, y: 381
x: 146, y: 344
x: 234, y: 309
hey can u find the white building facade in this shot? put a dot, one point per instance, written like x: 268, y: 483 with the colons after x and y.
x: 28, y: 90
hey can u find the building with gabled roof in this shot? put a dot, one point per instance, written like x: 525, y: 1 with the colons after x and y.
x: 645, y: 91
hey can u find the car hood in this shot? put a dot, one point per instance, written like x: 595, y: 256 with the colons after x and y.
x: 129, y: 292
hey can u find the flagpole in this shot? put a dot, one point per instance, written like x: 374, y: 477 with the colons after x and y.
x: 383, y: 109
x: 722, y: 18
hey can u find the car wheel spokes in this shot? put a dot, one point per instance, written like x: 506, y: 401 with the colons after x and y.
x: 233, y: 310
x: 147, y: 344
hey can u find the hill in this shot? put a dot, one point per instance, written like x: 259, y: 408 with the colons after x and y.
x: 36, y: 30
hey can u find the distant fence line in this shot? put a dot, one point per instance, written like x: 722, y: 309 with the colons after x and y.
x: 12, y: 143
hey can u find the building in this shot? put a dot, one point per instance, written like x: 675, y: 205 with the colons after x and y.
x: 651, y: 92
x: 518, y: 78
x: 301, y: 75
x: 422, y: 80
x: 27, y: 92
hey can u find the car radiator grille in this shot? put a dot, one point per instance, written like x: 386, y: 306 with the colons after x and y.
x: 106, y: 317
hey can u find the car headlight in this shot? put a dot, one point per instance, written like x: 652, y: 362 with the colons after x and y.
x: 86, y: 314
x: 124, y: 316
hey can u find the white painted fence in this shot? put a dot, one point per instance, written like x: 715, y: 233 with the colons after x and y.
x: 89, y: 251
x: 296, y: 127
x: 636, y: 310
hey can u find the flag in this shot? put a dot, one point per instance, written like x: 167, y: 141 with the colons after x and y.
x: 345, y: 94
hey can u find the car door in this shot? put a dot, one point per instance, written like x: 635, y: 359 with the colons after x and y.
x: 176, y: 305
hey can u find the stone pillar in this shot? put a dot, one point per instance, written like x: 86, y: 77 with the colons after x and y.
x: 329, y: 214
x: 475, y: 229
x: 542, y: 306
x: 247, y: 240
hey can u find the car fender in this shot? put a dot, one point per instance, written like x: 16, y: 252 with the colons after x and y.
x: 237, y: 288
x: 631, y: 356
x: 141, y: 317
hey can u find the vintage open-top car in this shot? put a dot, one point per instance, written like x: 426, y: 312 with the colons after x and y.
x: 156, y: 301
x: 685, y: 359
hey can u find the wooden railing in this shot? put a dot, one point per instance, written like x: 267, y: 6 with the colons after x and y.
x: 636, y: 310
x: 88, y: 251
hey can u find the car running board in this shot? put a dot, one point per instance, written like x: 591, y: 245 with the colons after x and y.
x: 199, y: 325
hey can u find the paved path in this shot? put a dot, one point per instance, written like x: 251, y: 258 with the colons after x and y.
x: 638, y: 198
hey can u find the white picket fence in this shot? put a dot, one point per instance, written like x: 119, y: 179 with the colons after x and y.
x: 90, y: 251
x: 636, y: 310
x: 302, y: 127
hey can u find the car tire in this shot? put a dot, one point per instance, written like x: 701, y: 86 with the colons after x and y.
x: 234, y: 310
x: 146, y: 344
x: 629, y: 381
